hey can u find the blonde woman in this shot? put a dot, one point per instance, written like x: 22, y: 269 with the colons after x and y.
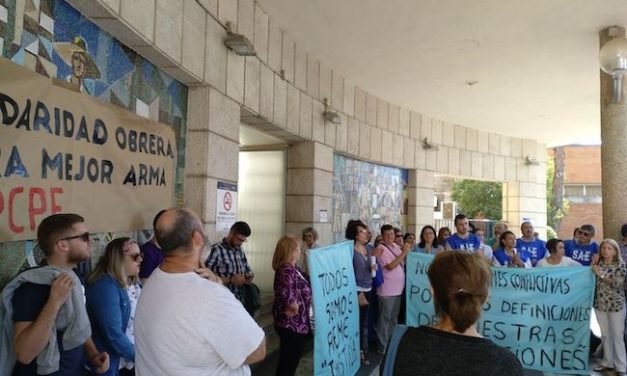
x: 292, y: 302
x: 609, y: 305
x: 108, y: 304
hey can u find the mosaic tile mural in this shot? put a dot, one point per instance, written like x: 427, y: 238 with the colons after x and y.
x: 53, y: 39
x: 374, y: 193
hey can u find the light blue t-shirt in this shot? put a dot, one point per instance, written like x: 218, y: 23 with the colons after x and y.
x: 535, y: 248
x: 470, y: 244
x: 581, y: 253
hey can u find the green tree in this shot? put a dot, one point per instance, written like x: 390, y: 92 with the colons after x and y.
x: 479, y: 199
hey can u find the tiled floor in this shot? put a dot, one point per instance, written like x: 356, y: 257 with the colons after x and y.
x: 305, y: 367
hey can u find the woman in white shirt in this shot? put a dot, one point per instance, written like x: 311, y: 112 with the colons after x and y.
x: 556, y: 255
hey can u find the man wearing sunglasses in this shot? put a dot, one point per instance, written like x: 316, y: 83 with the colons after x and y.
x: 51, y: 333
x: 582, y: 248
x: 228, y: 261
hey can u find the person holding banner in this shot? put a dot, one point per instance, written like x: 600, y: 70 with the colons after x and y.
x: 556, y: 256
x: 428, y: 242
x: 452, y: 346
x: 365, y: 266
x: 609, y: 305
x: 292, y: 304
x: 391, y: 257
x: 507, y: 255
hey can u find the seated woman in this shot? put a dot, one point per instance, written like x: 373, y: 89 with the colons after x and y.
x: 108, y: 304
x: 556, y: 255
x: 508, y: 256
x: 461, y: 284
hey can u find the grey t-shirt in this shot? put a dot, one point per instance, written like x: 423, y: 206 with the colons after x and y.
x: 428, y: 351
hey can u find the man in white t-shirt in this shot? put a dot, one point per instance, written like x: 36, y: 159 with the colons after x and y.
x: 187, y: 322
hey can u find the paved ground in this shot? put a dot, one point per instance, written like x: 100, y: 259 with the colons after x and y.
x: 305, y: 367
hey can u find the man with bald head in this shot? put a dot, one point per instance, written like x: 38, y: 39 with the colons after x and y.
x: 187, y: 322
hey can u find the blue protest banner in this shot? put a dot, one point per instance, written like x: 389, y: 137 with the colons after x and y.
x: 542, y: 315
x: 336, y: 311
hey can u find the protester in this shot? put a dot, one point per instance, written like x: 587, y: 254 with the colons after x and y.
x: 228, y: 260
x: 495, y: 240
x: 452, y: 346
x: 292, y: 304
x: 362, y: 264
x: 623, y: 242
x: 443, y: 234
x: 484, y: 249
x: 133, y: 290
x: 152, y: 255
x: 528, y: 242
x: 462, y: 239
x: 391, y: 258
x: 609, y: 305
x: 556, y: 255
x: 410, y: 238
x: 398, y: 237
x: 507, y: 255
x: 428, y: 242
x: 310, y: 238
x: 582, y: 249
x: 108, y: 303
x: 187, y: 323
x: 44, y: 323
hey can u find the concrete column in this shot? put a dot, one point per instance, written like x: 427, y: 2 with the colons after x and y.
x: 309, y: 189
x: 212, y: 152
x: 525, y: 200
x: 420, y: 190
x: 613, y: 146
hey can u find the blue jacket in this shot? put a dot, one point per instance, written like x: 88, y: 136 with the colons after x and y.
x: 109, y: 310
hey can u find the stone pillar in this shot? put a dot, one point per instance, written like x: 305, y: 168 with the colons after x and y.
x: 420, y: 190
x: 309, y: 189
x: 613, y: 146
x: 212, y: 152
x: 525, y: 200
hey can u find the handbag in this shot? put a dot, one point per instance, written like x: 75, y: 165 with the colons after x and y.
x: 251, y: 298
x: 378, y: 277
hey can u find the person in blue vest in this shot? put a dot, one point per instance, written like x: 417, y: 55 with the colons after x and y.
x: 583, y: 248
x: 507, y: 255
x: 462, y: 239
x: 528, y: 242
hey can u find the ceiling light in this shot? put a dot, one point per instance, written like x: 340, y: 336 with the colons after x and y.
x: 613, y: 60
x: 330, y: 115
x: 238, y: 43
x: 531, y: 161
x: 428, y: 146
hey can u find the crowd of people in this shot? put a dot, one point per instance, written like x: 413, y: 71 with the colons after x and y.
x: 163, y: 309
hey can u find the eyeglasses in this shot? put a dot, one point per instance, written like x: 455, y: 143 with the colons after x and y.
x: 241, y: 240
x: 586, y: 234
x: 137, y: 256
x: 84, y: 237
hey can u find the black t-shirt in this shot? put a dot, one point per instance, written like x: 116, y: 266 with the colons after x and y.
x: 28, y: 301
x: 431, y: 352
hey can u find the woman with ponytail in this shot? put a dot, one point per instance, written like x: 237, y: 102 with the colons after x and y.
x: 452, y: 346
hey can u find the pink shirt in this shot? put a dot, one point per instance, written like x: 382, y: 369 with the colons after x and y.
x: 393, y: 280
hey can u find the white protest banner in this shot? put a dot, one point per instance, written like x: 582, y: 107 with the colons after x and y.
x: 63, y: 151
